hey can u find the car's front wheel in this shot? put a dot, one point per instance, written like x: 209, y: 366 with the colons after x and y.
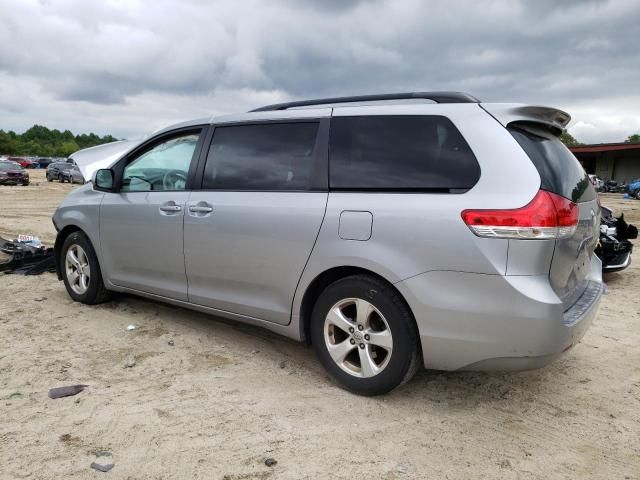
x: 81, y: 270
x: 365, y: 335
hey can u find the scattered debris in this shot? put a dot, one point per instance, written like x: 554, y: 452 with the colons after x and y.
x: 270, y: 462
x: 171, y: 343
x: 130, y: 363
x: 614, y: 247
x: 14, y: 395
x: 282, y: 364
x: 402, y: 468
x: 69, y: 391
x: 39, y: 299
x: 29, y: 240
x: 102, y: 468
x: 28, y: 257
x: 131, y: 327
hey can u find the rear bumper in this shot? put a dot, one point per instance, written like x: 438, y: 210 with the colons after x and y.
x: 620, y: 263
x: 490, y: 322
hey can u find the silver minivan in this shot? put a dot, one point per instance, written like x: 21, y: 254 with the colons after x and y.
x: 388, y: 231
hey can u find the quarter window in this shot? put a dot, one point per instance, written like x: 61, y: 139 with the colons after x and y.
x: 162, y: 168
x: 270, y: 156
x: 423, y: 153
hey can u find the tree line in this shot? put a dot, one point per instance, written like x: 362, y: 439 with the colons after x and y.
x: 570, y: 141
x: 39, y: 141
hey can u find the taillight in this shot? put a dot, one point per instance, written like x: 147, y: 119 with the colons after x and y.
x: 548, y: 215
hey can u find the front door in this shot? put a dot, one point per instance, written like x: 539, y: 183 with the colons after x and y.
x: 141, y: 225
x: 250, y: 230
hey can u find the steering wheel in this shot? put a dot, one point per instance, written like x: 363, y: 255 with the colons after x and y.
x: 170, y: 179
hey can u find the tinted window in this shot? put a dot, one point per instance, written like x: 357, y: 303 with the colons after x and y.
x: 164, y: 167
x: 273, y: 156
x: 560, y: 172
x: 400, y: 153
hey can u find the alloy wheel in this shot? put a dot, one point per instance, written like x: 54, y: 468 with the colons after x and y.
x: 77, y: 269
x: 358, y: 337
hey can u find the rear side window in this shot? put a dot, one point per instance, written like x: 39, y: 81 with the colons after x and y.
x: 271, y: 156
x: 421, y: 153
x: 560, y: 172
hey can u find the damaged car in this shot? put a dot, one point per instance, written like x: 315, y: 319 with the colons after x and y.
x: 614, y: 247
x: 315, y: 219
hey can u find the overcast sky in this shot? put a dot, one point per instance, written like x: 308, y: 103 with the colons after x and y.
x: 127, y: 67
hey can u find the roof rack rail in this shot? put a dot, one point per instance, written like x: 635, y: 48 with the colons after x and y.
x: 438, y: 97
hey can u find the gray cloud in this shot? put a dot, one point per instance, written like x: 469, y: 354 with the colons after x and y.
x: 98, y: 65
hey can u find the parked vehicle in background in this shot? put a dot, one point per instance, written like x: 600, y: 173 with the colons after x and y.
x: 388, y: 231
x: 44, y: 162
x: 597, y: 182
x: 24, y: 162
x: 614, y: 247
x: 633, y: 188
x: 75, y: 175
x: 60, y: 171
x: 12, y: 173
x: 613, y: 186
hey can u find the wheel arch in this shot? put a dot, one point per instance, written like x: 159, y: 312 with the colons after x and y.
x: 57, y: 247
x: 322, y: 281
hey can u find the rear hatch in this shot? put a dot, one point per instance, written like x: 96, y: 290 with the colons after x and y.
x: 562, y: 174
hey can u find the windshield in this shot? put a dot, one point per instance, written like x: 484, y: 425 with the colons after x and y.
x: 9, y: 166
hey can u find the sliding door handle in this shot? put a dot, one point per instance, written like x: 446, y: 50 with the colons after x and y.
x: 200, y: 209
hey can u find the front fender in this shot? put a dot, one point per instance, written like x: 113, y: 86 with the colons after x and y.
x: 80, y: 210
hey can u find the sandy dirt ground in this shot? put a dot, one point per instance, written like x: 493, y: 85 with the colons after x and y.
x: 189, y: 396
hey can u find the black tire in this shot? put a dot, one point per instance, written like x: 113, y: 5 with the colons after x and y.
x: 49, y: 179
x: 96, y: 291
x: 60, y: 179
x: 405, y: 355
x: 25, y: 184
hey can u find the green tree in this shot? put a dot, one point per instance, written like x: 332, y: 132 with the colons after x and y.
x: 635, y: 138
x: 7, y: 142
x: 569, y: 140
x: 41, y: 142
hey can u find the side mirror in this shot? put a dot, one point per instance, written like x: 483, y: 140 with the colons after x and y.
x: 104, y: 180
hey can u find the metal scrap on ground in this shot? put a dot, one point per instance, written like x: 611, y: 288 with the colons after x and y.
x: 26, y: 256
x: 69, y: 391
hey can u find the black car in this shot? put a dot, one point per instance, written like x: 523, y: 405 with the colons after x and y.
x: 60, y: 171
x: 44, y: 162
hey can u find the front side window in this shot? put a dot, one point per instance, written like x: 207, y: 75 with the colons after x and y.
x: 400, y: 152
x: 271, y: 156
x: 162, y: 168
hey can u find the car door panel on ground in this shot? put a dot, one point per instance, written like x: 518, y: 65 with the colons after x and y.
x: 144, y: 246
x: 249, y: 232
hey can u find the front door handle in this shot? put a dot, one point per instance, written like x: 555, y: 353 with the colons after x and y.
x: 200, y: 209
x: 170, y: 207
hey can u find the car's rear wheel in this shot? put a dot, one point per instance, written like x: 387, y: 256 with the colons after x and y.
x: 365, y: 335
x: 81, y: 270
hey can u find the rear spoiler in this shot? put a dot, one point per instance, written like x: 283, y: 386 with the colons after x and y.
x: 508, y: 113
